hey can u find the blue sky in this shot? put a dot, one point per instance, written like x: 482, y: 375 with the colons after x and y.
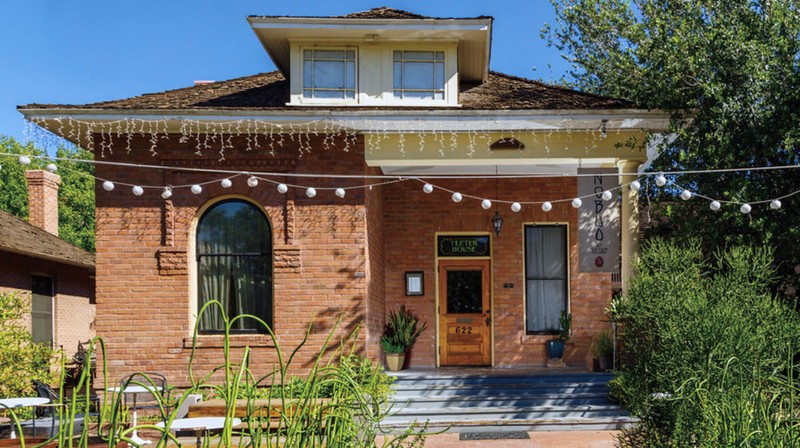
x: 82, y: 51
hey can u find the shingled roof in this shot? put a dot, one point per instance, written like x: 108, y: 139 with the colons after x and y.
x: 381, y: 12
x: 20, y: 237
x: 270, y: 91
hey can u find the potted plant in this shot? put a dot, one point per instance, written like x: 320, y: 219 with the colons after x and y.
x: 555, y: 347
x: 603, y: 349
x: 399, y: 335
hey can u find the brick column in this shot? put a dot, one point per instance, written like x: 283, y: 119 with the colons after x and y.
x: 43, y: 199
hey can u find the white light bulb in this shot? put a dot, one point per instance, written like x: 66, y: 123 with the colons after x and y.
x: 340, y: 192
x: 252, y: 181
x: 745, y: 208
x: 226, y: 183
x: 427, y: 188
x: 24, y: 160
x: 606, y: 195
x: 137, y: 190
x: 108, y: 185
x: 516, y: 207
x: 715, y: 205
x: 311, y: 192
x: 167, y: 193
x: 546, y: 206
x: 457, y: 197
x: 282, y: 188
x: 635, y: 185
x: 577, y: 202
x: 686, y: 195
x: 661, y: 180
x: 486, y: 204
x: 52, y: 167
x: 197, y: 189
x: 775, y: 205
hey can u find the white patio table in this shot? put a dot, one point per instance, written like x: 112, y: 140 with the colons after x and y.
x: 200, y: 425
x: 135, y: 390
x: 23, y: 402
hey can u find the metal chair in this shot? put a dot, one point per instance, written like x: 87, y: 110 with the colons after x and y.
x: 156, y: 395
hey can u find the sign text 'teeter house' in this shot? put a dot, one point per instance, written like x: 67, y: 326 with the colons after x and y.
x: 598, y: 220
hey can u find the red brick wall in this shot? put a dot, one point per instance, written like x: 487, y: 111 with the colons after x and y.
x: 73, y: 312
x: 144, y: 255
x: 411, y: 220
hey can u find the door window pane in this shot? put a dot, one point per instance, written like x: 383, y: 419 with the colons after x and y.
x: 546, y: 277
x: 464, y: 292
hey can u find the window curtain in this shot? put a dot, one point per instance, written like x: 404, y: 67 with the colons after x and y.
x: 234, y: 265
x: 546, y: 275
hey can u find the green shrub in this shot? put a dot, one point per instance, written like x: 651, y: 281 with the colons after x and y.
x: 707, y: 353
x: 21, y: 359
x: 602, y: 345
x: 401, y: 330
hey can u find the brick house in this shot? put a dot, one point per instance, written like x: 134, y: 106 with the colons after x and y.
x: 372, y: 169
x: 56, y: 275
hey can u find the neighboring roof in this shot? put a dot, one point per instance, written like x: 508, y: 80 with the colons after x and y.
x: 20, y: 237
x: 270, y: 91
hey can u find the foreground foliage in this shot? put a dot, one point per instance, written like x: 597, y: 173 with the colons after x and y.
x: 339, y: 403
x: 21, y: 359
x: 709, y: 356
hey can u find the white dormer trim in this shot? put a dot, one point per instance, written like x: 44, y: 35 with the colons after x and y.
x: 375, y: 73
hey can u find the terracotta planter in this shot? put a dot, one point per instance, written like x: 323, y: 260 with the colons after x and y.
x: 394, y: 361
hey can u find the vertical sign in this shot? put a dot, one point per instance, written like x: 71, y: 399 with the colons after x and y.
x: 598, y: 220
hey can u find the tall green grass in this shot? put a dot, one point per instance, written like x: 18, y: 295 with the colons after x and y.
x: 340, y: 403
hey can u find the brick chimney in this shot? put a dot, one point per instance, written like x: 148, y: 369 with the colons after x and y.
x: 43, y: 199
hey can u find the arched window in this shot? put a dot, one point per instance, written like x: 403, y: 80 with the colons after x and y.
x: 234, y: 265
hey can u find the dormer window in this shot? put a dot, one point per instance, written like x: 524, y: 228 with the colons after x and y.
x: 329, y: 74
x: 419, y: 75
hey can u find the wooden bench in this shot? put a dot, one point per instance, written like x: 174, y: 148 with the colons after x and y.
x: 270, y: 410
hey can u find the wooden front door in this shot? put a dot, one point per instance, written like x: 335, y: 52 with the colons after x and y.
x: 464, y: 313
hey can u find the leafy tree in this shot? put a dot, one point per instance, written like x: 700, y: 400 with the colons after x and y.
x: 21, y: 360
x: 729, y: 73
x: 75, y: 197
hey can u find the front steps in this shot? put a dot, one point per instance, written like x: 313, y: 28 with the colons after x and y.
x: 501, y: 401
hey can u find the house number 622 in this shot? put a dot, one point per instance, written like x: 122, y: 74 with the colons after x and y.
x: 463, y: 330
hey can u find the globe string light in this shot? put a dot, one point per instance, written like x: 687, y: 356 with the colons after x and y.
x: 428, y: 186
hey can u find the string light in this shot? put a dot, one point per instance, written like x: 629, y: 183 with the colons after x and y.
x: 52, y: 167
x: 167, y: 193
x: 225, y: 182
x: 252, y: 181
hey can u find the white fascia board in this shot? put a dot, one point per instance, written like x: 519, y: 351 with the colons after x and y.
x: 366, y: 24
x: 393, y: 121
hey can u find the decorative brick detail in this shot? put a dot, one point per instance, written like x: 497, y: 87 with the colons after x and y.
x: 172, y: 260
x: 287, y: 256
